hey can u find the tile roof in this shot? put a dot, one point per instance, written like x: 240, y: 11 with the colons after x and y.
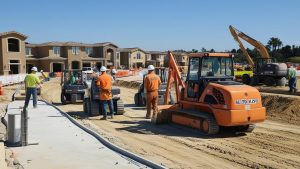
x: 130, y: 49
x: 12, y: 32
x: 157, y: 52
x: 55, y: 43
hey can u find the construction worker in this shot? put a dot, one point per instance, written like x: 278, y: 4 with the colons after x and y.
x: 104, y: 82
x: 152, y: 83
x: 114, y: 73
x: 292, y: 79
x: 45, y: 78
x: 31, y: 81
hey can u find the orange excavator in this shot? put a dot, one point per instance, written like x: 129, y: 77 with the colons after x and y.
x: 209, y: 98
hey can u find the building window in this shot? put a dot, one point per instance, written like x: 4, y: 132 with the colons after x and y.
x: 89, y: 51
x: 138, y: 55
x: 56, y: 50
x: 28, y: 51
x: 13, y: 45
x: 75, y: 50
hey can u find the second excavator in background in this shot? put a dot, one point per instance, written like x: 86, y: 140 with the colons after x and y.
x: 266, y: 70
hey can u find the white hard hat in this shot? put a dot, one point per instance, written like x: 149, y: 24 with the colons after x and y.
x: 34, y: 69
x: 151, y: 67
x: 114, y: 71
x: 41, y: 70
x: 103, y: 69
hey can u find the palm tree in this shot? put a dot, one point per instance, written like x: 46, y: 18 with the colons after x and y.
x: 275, y: 43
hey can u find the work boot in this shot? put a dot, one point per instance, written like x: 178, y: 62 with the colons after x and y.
x: 154, y: 119
x: 112, y: 116
x: 295, y: 91
x: 104, y: 118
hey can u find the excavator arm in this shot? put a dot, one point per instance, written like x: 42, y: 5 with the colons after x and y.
x: 258, y: 45
x: 174, y: 75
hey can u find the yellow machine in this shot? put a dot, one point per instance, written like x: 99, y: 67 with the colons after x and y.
x: 266, y: 69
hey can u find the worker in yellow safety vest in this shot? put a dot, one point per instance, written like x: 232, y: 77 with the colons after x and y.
x: 31, y: 81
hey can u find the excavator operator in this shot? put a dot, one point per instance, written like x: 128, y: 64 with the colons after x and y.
x: 152, y: 83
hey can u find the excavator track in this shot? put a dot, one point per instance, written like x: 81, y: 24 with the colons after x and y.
x: 203, y: 121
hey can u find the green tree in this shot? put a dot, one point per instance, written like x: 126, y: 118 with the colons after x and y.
x: 194, y: 51
x: 203, y: 50
x: 274, y: 43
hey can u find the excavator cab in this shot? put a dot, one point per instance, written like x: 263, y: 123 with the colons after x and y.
x: 204, y: 69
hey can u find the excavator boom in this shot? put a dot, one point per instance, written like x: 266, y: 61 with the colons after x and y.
x: 174, y: 75
x: 258, y: 45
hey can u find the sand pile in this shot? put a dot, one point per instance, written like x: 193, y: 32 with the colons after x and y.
x: 127, y: 84
x: 282, y: 108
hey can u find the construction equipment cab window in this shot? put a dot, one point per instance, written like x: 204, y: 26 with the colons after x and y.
x: 210, y: 68
x: 193, y: 77
x: 216, y: 66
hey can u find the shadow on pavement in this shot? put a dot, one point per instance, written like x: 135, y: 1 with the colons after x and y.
x: 146, y: 127
x: 134, y: 107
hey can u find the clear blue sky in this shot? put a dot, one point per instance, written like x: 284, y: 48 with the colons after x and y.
x: 153, y: 24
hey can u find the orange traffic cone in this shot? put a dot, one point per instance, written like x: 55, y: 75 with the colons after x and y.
x: 1, y: 89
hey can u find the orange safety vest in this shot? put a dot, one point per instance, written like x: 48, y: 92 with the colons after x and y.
x: 152, y: 82
x: 104, y: 81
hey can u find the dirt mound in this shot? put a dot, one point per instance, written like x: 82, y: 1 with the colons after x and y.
x: 127, y: 84
x: 282, y: 108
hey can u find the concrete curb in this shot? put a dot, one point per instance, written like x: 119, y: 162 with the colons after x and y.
x: 2, y: 156
x: 109, y: 145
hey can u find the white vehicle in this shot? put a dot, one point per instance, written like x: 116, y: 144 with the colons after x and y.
x: 87, y: 70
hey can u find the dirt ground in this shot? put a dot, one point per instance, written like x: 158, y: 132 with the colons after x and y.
x: 273, y: 144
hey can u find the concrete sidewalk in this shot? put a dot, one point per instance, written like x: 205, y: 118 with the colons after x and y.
x: 62, y: 144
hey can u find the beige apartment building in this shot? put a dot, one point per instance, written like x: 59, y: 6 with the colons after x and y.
x: 156, y: 58
x: 56, y: 56
x: 12, y: 53
x: 132, y: 57
x: 181, y: 59
x: 16, y: 56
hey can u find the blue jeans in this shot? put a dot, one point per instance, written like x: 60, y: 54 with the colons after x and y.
x: 110, y: 106
x: 29, y: 92
x: 292, y: 84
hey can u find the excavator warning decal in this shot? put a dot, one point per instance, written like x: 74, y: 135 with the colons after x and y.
x: 246, y: 101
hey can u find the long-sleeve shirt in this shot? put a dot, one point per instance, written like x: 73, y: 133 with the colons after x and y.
x: 152, y: 82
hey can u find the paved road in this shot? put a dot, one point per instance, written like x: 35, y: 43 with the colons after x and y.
x: 62, y: 144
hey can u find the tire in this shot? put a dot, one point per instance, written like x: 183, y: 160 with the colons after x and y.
x: 143, y: 101
x: 94, y: 108
x: 86, y: 106
x: 63, y: 99
x: 136, y: 99
x: 254, y: 81
x: 120, y: 107
x: 281, y: 81
x: 246, y: 129
x: 270, y: 81
x: 246, y: 79
x: 73, y: 98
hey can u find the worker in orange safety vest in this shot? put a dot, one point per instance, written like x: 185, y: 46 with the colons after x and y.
x: 104, y: 82
x: 151, y: 85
